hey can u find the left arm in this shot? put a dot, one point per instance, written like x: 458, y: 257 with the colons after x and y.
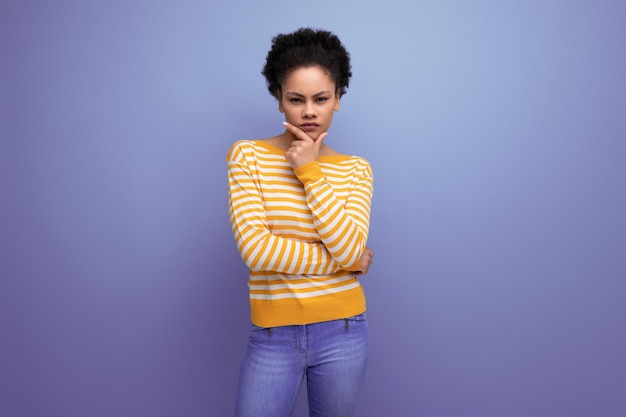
x: 343, y: 227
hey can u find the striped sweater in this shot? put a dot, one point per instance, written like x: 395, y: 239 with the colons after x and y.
x: 301, y: 232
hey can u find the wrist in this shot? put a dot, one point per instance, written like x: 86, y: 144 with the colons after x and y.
x: 309, y: 172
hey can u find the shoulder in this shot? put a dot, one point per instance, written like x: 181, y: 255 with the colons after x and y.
x: 239, y: 149
x: 246, y: 148
x: 350, y: 165
x: 256, y: 153
x: 347, y: 160
x: 329, y: 152
x: 361, y: 164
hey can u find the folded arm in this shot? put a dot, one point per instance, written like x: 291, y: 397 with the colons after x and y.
x: 259, y: 248
x: 343, y: 226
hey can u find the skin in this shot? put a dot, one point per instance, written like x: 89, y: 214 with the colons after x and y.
x: 308, y: 99
x: 308, y: 96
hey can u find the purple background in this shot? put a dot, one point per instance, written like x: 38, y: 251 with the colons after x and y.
x: 497, y: 134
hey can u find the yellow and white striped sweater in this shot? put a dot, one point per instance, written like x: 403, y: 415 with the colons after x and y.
x: 301, y: 232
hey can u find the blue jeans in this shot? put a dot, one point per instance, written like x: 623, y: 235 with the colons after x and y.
x: 333, y: 355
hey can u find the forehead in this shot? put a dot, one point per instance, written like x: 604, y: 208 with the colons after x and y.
x: 308, y: 79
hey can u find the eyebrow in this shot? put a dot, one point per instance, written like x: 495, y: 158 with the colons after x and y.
x: 293, y: 93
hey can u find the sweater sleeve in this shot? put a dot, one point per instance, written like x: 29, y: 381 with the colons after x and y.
x: 259, y: 248
x: 343, y: 227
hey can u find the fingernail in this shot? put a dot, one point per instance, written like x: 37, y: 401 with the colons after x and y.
x: 285, y: 123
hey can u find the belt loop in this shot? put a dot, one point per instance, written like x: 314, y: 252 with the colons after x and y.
x: 269, y: 331
x: 347, y: 326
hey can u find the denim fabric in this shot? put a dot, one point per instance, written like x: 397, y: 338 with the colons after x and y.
x: 332, y: 355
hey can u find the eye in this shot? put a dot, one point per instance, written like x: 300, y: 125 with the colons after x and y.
x: 295, y: 100
x: 322, y: 99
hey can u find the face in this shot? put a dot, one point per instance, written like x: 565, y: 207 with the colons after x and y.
x: 308, y: 99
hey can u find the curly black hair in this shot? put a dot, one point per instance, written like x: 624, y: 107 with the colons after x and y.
x: 306, y: 47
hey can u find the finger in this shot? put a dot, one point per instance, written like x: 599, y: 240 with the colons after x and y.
x: 297, y: 132
x: 320, y: 139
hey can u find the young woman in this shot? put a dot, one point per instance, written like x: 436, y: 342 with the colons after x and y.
x: 300, y: 217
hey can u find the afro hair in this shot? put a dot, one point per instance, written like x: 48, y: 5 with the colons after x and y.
x: 304, y: 48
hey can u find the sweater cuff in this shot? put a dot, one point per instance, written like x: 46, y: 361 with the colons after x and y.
x: 309, y: 173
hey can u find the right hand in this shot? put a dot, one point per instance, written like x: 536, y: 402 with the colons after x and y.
x: 303, y: 149
x: 366, y: 260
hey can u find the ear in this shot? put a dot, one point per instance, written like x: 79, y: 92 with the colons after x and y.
x: 338, y: 100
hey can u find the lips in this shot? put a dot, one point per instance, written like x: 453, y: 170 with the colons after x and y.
x: 309, y: 127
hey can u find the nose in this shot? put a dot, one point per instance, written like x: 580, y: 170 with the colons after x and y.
x: 309, y: 111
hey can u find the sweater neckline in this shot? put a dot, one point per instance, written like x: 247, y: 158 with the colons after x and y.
x: 278, y: 151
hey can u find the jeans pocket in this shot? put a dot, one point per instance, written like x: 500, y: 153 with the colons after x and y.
x: 355, y: 322
x: 358, y: 317
x: 255, y: 328
x: 258, y: 334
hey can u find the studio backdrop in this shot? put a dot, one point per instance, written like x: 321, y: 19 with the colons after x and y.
x: 496, y: 133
